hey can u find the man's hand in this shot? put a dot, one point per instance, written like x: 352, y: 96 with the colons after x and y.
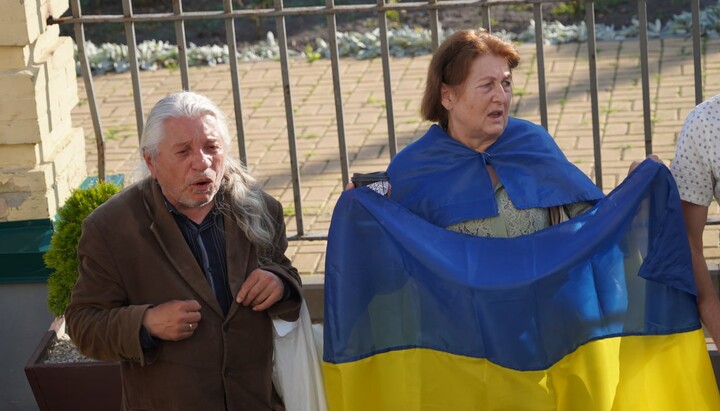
x: 174, y: 320
x: 636, y: 163
x: 260, y: 290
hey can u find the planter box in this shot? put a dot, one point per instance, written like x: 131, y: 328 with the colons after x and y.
x: 72, y: 386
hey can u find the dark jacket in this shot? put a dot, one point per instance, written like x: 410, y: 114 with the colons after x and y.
x: 133, y: 256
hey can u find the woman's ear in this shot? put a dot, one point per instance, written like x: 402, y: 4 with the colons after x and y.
x: 446, y: 96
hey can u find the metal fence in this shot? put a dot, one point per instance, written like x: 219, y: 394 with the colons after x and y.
x: 381, y: 8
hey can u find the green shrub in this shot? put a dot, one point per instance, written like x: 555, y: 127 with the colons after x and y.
x: 61, y: 256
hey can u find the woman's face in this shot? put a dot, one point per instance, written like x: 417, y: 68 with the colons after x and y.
x: 478, y: 108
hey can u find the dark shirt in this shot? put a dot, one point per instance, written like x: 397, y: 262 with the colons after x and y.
x: 207, y: 243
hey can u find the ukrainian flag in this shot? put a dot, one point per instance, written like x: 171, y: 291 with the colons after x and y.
x: 597, y: 313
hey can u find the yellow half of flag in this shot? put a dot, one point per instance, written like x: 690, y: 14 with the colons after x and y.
x: 659, y: 373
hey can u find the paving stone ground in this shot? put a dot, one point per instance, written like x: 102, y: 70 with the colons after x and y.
x: 366, y: 126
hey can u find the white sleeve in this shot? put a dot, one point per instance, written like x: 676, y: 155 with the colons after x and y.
x: 692, y: 166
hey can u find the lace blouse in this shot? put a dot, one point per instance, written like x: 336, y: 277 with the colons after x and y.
x: 512, y: 222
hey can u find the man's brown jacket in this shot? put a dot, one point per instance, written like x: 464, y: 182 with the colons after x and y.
x: 133, y: 256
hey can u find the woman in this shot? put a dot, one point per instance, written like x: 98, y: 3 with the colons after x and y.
x: 569, y: 318
x: 479, y: 171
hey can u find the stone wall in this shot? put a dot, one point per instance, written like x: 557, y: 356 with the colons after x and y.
x: 42, y: 157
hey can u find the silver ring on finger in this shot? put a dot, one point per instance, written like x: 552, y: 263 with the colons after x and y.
x: 190, y: 325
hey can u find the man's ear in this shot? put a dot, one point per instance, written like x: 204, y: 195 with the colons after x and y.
x: 446, y: 96
x: 148, y: 162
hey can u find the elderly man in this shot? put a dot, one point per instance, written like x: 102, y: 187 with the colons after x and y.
x: 181, y: 273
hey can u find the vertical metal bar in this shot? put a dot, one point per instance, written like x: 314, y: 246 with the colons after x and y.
x: 282, y: 37
x: 435, y: 26
x: 89, y: 89
x: 645, y: 74
x: 697, y: 50
x: 592, y: 57
x: 134, y: 69
x: 181, y: 44
x: 542, y: 85
x: 485, y: 11
x: 385, y: 50
x: 337, y: 87
x: 235, y: 79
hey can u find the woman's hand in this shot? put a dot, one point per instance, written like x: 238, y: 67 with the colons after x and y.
x: 380, y: 187
x: 636, y: 163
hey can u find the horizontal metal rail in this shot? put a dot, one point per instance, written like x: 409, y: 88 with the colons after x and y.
x: 292, y: 11
x: 380, y: 9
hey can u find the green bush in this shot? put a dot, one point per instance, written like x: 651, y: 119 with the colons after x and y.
x: 61, y: 256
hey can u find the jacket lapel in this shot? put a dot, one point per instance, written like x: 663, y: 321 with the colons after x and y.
x: 173, y: 244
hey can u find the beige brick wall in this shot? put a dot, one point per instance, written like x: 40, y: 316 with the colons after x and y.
x: 22, y: 21
x: 42, y: 157
x: 24, y: 194
x: 69, y: 164
x: 19, y: 156
x: 13, y: 58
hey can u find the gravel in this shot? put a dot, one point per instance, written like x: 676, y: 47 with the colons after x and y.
x: 64, y: 351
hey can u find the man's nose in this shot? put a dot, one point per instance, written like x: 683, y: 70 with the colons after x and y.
x: 201, y: 160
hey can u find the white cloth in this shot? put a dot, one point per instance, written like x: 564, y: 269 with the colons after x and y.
x: 297, y: 372
x: 696, y: 166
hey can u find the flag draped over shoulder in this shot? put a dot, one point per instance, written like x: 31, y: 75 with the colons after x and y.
x: 597, y: 313
x: 447, y: 182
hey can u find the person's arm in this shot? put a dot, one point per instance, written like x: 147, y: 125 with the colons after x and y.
x: 708, y: 301
x: 265, y: 288
x: 98, y: 320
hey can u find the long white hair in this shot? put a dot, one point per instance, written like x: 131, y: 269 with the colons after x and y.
x: 239, y: 196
